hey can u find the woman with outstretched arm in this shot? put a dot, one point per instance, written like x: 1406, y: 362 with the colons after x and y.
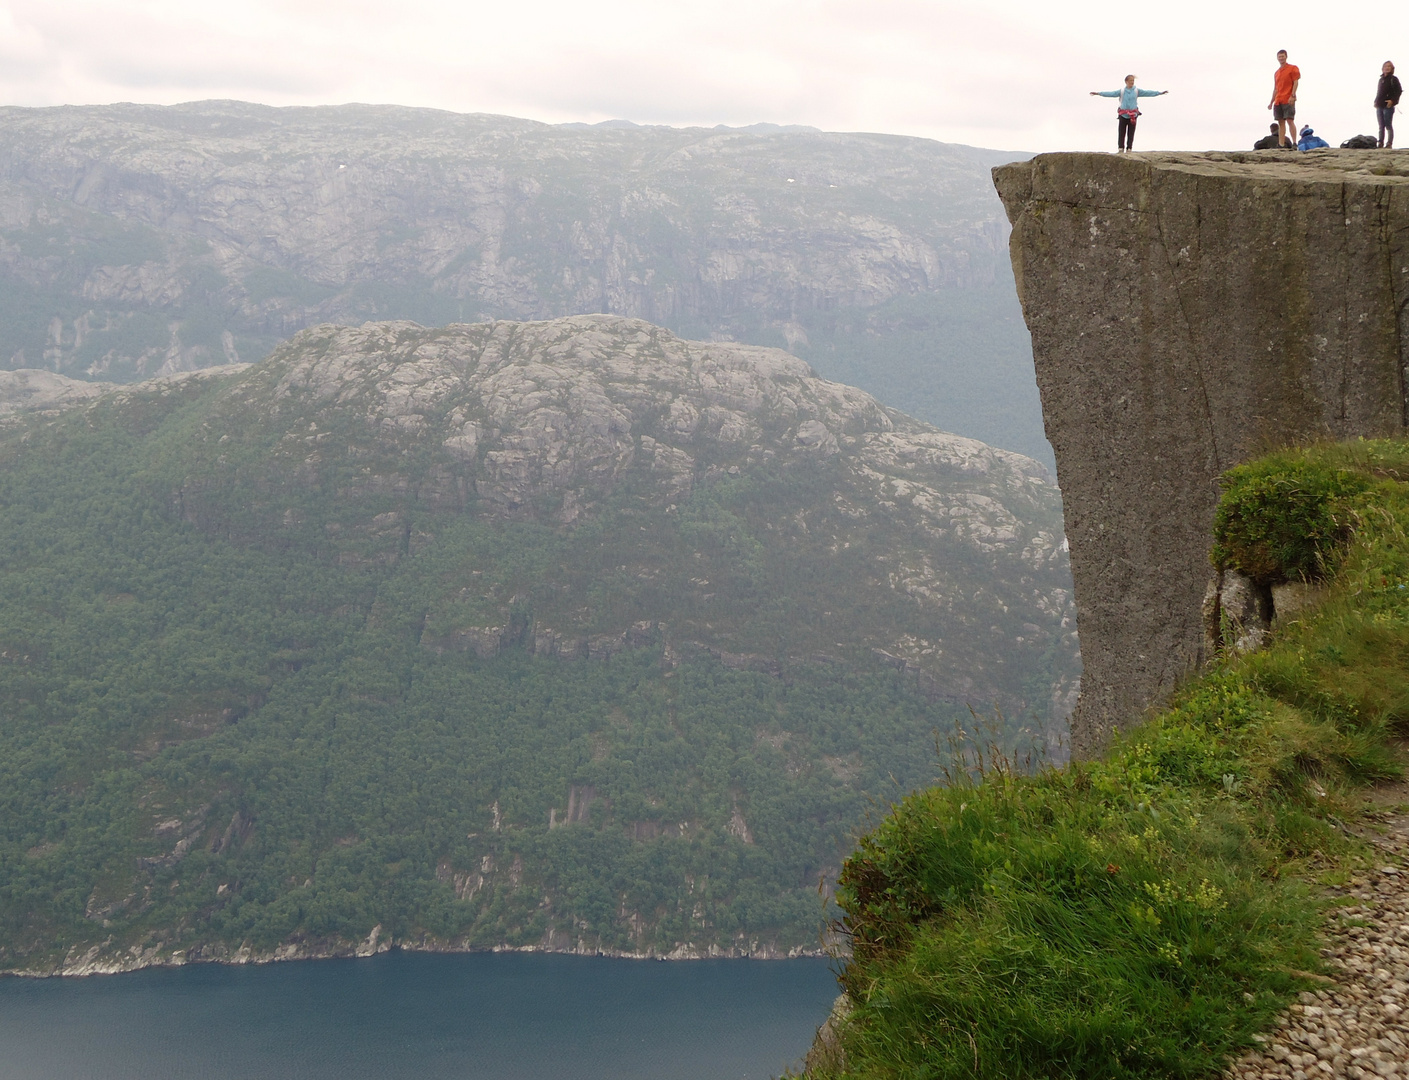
x: 1128, y: 111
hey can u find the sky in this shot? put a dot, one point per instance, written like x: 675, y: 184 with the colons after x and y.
x: 1013, y: 75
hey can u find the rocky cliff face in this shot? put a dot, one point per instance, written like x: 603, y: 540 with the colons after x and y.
x: 1188, y: 311
x: 141, y: 239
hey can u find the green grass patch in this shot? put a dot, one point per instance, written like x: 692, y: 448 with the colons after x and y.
x: 1146, y: 913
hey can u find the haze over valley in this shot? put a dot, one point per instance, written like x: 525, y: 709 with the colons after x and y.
x: 451, y: 532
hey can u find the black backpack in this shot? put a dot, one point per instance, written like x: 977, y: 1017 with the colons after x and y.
x: 1360, y: 142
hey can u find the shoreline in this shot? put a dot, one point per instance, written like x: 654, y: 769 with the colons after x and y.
x: 95, y: 962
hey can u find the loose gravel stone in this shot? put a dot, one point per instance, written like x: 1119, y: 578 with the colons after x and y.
x: 1357, y: 1026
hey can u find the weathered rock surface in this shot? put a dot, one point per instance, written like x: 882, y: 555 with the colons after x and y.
x: 546, y: 421
x: 1189, y: 311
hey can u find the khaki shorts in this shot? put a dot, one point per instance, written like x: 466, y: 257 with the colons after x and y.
x: 1286, y: 111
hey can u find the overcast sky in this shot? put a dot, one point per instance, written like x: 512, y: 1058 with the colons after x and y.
x: 1011, y: 75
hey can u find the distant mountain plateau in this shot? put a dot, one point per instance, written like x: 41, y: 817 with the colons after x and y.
x: 143, y: 240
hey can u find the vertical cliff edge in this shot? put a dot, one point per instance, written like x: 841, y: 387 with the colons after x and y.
x: 1189, y: 311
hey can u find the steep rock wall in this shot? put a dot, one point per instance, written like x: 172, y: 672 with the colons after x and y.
x: 1187, y: 312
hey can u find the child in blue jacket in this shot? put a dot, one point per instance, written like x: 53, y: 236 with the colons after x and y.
x: 1310, y: 140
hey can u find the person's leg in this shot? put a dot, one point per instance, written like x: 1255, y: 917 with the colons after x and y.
x: 1122, y: 126
x: 1380, y: 116
x: 1130, y: 136
x: 1389, y: 128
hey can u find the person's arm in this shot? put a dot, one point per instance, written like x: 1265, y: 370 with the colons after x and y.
x: 1153, y: 93
x: 1105, y: 93
x: 1292, y: 99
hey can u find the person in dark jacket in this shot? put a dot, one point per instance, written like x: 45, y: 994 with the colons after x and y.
x: 1386, y: 98
x: 1269, y: 142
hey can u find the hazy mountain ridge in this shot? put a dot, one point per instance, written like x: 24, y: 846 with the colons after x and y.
x: 568, y: 634
x: 27, y: 391
x: 143, y: 239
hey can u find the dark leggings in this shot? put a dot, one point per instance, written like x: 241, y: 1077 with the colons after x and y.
x: 1386, y: 116
x: 1125, y: 134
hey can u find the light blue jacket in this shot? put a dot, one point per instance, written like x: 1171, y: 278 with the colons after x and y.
x: 1129, y: 95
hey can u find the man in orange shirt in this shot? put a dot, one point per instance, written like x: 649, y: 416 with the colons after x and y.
x: 1283, y: 103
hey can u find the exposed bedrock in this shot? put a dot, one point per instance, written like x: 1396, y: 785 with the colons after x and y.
x: 1189, y: 311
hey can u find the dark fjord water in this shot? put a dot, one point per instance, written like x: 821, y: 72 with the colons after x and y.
x: 478, y: 1017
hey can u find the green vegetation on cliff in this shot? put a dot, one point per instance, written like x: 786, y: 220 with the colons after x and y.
x: 1146, y: 913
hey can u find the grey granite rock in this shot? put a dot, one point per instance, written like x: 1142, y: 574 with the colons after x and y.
x: 1237, y: 613
x: 1187, y: 312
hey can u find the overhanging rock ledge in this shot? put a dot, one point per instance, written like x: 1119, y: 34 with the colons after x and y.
x: 1188, y: 312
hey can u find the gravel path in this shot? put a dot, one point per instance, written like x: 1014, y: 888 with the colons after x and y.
x: 1358, y: 1026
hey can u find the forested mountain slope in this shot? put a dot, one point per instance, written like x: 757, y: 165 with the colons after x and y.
x: 136, y: 240
x: 567, y: 634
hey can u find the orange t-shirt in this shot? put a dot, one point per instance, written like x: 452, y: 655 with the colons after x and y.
x: 1282, y: 83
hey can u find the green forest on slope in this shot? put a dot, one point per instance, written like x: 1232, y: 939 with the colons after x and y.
x: 219, y: 733
x: 1148, y: 913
